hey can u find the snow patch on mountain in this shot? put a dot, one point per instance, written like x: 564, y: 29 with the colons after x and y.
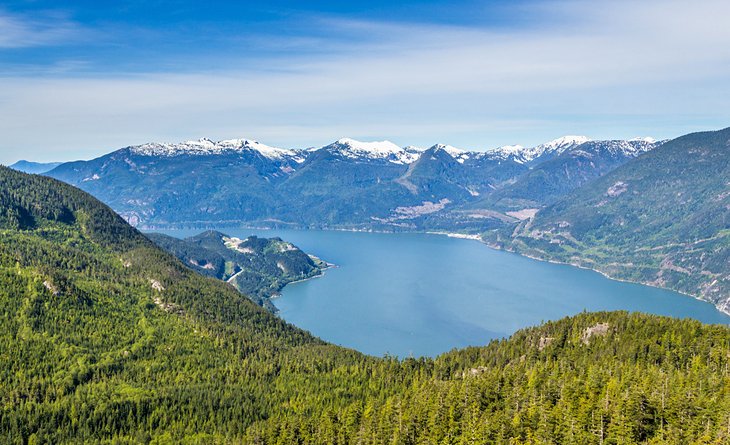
x: 630, y: 148
x: 563, y: 143
x: 377, y: 148
x: 384, y: 150
x: 615, y: 148
x: 508, y: 150
x: 648, y: 139
x: 458, y: 154
x: 206, y: 146
x: 523, y: 155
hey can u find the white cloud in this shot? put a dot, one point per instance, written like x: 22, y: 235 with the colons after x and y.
x: 609, y: 69
x: 23, y: 31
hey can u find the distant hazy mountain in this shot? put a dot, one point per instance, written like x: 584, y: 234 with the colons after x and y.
x: 348, y: 183
x: 661, y: 219
x: 34, y: 167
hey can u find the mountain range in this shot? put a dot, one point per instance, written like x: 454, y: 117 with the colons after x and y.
x: 572, y: 200
x: 346, y: 184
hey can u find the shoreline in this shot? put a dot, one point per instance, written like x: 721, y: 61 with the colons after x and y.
x: 605, y: 275
x: 471, y: 237
x: 278, y: 294
x: 301, y: 280
x: 458, y: 235
x: 578, y: 266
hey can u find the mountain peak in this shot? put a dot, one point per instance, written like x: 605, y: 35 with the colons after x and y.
x: 449, y: 148
x: 647, y: 139
x: 374, y: 147
x: 34, y: 167
x: 353, y: 149
x: 458, y: 154
x: 510, y: 149
x: 562, y: 143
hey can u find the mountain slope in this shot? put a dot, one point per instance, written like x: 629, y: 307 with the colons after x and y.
x: 194, y: 181
x: 257, y: 267
x: 661, y: 219
x: 345, y: 184
x: 97, y: 323
x: 107, y: 339
x: 562, y: 173
x: 539, y: 153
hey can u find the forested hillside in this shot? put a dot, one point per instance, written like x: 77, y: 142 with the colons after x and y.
x: 258, y: 267
x: 661, y: 219
x: 107, y: 339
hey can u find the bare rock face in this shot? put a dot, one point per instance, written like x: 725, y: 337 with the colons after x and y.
x: 597, y: 329
x: 617, y: 189
x: 473, y: 372
x: 156, y: 285
x: 48, y: 285
x: 544, y: 342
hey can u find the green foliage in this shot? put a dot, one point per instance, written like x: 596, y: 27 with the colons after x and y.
x: 107, y: 339
x: 554, y: 178
x: 645, y: 380
x: 257, y: 267
x: 662, y: 219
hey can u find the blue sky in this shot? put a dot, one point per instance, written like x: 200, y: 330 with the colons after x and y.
x: 79, y: 79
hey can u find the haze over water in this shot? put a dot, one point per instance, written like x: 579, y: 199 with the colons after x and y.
x: 418, y: 294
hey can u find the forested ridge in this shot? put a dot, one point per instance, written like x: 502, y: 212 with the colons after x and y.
x: 107, y: 339
x: 662, y: 219
x: 257, y: 267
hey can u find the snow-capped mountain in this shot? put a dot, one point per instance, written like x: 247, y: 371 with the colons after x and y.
x: 206, y: 146
x: 383, y: 151
x: 555, y: 174
x: 526, y: 155
x: 347, y: 182
x: 623, y: 148
x: 377, y: 150
x: 458, y: 154
x: 648, y: 139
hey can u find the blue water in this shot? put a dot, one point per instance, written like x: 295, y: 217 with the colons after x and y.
x: 419, y: 294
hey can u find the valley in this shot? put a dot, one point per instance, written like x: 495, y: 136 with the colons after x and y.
x: 364, y: 223
x: 108, y: 339
x: 515, y: 198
